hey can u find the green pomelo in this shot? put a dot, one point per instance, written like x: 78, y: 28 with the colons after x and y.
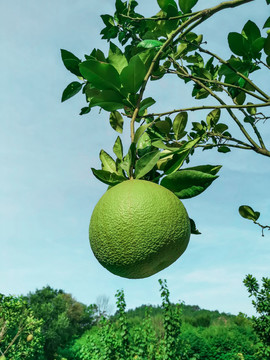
x: 138, y: 228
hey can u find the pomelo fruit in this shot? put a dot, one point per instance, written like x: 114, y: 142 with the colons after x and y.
x: 138, y: 228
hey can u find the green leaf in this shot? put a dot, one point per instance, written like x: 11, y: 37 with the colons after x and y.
x: 268, y: 60
x: 176, y: 162
x: 267, y: 24
x: 168, y: 6
x: 116, y: 58
x: 108, y: 100
x: 213, y: 117
x: 146, y: 163
x: 108, y: 177
x: 224, y: 149
x: 145, y: 104
x: 129, y: 159
x: 149, y: 44
x: 71, y: 90
x: 144, y: 144
x: 187, y: 5
x: 267, y: 45
x: 249, y: 119
x: 257, y: 46
x: 107, y: 162
x: 132, y: 76
x: 251, y: 110
x: 188, y: 183
x: 193, y: 228
x: 208, y: 169
x: 116, y: 121
x: 102, y: 76
x: 140, y: 131
x: 220, y: 128
x: 237, y: 43
x: 71, y: 62
x: 163, y: 126
x: 251, y: 31
x: 179, y: 124
x: 248, y: 213
x: 85, y: 110
x: 118, y: 148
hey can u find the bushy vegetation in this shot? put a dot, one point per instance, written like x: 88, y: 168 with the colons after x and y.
x: 50, y: 324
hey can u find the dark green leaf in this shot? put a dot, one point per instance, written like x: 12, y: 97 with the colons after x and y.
x: 71, y: 90
x: 193, y: 228
x: 267, y: 23
x: 249, y: 119
x: 179, y: 124
x: 187, y: 5
x: 149, y: 44
x: 108, y: 100
x: 146, y: 163
x: 213, y: 117
x: 251, y: 31
x: 251, y: 110
x: 163, y: 126
x: 116, y: 121
x: 223, y: 149
x: 108, y: 177
x: 132, y: 76
x: 144, y: 144
x: 107, y: 162
x: 118, y: 148
x: 267, y: 45
x: 208, y: 169
x: 168, y: 6
x: 85, y: 110
x: 188, y: 183
x: 90, y: 92
x: 129, y: 159
x: 237, y: 43
x: 220, y: 128
x: 140, y: 131
x: 145, y: 104
x: 101, y: 75
x: 117, y: 58
x: 268, y: 60
x: 248, y: 213
x: 71, y: 62
x: 176, y: 162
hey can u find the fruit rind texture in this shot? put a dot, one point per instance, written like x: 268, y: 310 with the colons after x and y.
x: 138, y: 228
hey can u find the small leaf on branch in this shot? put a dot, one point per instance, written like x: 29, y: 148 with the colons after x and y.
x: 187, y: 5
x: 208, y: 169
x: 116, y: 58
x: 176, y: 162
x: 85, y: 110
x: 213, y: 117
x: 267, y: 24
x: 267, y: 45
x: 108, y: 177
x: 163, y: 126
x: 71, y: 90
x: 168, y: 6
x: 193, y: 228
x: 251, y: 31
x: 249, y: 119
x: 132, y: 76
x: 251, y: 110
x: 146, y: 163
x: 145, y: 104
x: 108, y: 100
x: 224, y: 149
x: 71, y: 62
x: 237, y: 43
x: 129, y: 159
x: 118, y: 148
x: 220, y: 128
x: 179, y: 124
x: 116, y: 121
x: 101, y: 75
x: 248, y: 213
x: 149, y: 44
x: 107, y: 162
x: 188, y: 183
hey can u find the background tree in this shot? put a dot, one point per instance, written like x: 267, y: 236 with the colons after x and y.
x: 20, y: 330
x: 63, y: 317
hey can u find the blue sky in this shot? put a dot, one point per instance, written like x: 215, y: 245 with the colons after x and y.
x: 48, y: 193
